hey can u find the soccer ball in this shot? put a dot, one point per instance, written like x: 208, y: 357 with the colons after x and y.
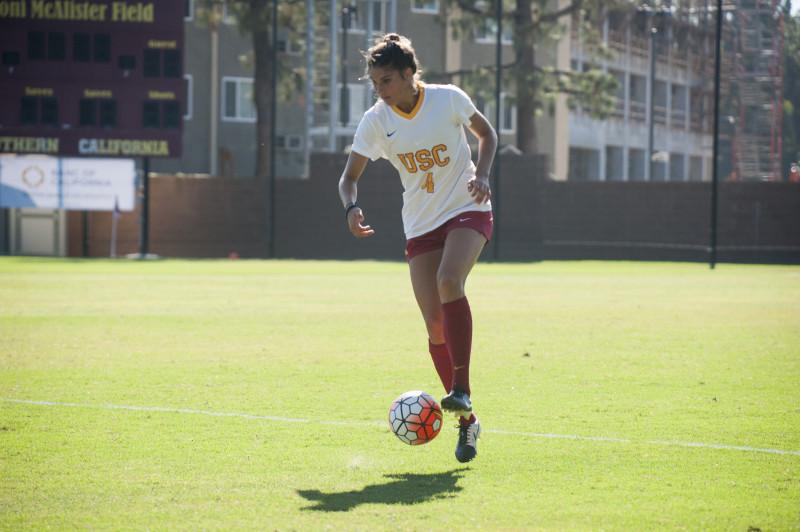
x: 415, y: 418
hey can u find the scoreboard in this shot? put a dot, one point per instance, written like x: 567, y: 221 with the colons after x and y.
x: 95, y: 78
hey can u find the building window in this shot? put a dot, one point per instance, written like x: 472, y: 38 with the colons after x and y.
x: 658, y: 170
x: 636, y: 166
x: 695, y: 168
x: 486, y: 32
x: 189, y: 96
x: 615, y: 163
x: 508, y: 115
x: 425, y: 6
x: 697, y: 111
x: 289, y: 47
x: 676, y: 161
x: 379, y: 17
x: 228, y: 15
x: 638, y: 97
x: 619, y: 94
x: 238, y: 104
x: 583, y: 164
x: 356, y: 105
x: 289, y: 142
x: 188, y: 10
x: 508, y: 112
x: 660, y: 102
x: 678, y: 112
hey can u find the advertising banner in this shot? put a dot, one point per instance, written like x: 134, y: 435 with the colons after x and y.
x: 82, y: 184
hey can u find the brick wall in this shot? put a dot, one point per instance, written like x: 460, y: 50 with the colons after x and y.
x: 535, y: 218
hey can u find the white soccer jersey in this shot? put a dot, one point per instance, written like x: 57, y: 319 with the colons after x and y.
x: 429, y: 149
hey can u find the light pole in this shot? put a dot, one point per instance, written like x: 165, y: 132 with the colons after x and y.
x: 344, y: 95
x: 273, y: 128
x: 651, y: 120
x: 715, y: 155
x: 498, y: 86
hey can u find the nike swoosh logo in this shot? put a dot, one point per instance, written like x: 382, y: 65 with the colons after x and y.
x: 464, y: 219
x: 392, y: 133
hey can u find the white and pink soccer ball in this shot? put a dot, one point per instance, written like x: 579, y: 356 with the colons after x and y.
x: 415, y: 418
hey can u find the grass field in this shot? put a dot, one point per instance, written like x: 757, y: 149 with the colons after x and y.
x: 253, y: 395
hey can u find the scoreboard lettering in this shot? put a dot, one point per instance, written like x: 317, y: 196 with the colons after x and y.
x: 100, y: 78
x: 85, y: 11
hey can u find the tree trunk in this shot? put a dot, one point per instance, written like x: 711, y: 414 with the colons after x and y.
x: 526, y: 82
x: 262, y: 85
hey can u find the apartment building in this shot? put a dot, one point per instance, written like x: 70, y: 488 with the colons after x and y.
x: 663, y: 64
x: 662, y: 60
x: 220, y: 115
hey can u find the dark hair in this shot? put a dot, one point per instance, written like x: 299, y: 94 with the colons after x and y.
x: 394, y: 51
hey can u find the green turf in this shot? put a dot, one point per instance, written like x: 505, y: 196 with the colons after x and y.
x: 651, y: 356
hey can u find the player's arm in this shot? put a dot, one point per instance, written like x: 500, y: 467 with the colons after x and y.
x: 348, y: 192
x: 478, y: 186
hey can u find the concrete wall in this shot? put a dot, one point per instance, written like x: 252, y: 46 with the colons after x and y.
x: 536, y: 218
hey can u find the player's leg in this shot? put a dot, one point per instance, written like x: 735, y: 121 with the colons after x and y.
x: 423, y: 270
x: 462, y: 248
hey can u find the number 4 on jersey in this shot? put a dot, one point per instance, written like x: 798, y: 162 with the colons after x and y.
x: 428, y: 184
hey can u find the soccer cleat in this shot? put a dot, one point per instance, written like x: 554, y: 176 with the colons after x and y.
x: 457, y: 401
x: 467, y: 447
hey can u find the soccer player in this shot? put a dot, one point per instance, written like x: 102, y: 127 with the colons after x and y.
x: 447, y: 215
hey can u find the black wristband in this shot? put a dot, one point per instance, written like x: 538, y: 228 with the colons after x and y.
x: 349, y: 208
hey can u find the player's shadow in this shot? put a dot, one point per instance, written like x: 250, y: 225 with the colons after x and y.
x: 406, y: 488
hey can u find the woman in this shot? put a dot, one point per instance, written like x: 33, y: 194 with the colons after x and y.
x: 447, y: 216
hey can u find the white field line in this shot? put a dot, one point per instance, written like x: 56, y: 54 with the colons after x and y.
x: 280, y: 419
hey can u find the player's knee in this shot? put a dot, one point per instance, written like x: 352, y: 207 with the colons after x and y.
x: 435, y: 327
x: 433, y: 315
x: 450, y: 286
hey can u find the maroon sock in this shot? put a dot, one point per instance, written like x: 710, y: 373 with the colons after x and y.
x: 441, y: 361
x: 464, y: 421
x: 458, y: 335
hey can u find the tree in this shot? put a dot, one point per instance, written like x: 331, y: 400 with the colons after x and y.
x: 254, y: 17
x: 535, y: 24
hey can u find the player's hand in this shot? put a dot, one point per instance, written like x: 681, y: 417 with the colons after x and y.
x: 355, y: 221
x: 479, y: 189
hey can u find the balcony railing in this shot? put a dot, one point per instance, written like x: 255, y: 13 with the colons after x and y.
x: 659, y: 114
x: 619, y: 109
x: 638, y: 111
x: 678, y: 118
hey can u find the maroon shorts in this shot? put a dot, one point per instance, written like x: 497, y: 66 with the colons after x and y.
x: 480, y: 221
